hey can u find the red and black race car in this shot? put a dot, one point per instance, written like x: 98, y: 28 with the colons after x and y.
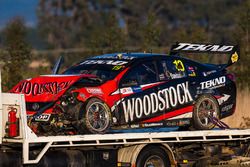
x: 132, y: 90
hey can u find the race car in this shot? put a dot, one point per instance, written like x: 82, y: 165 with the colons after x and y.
x: 132, y: 91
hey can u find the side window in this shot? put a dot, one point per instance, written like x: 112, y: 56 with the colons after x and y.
x: 141, y: 74
x: 171, y: 69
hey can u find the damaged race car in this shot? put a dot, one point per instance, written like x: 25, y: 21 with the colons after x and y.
x: 132, y: 91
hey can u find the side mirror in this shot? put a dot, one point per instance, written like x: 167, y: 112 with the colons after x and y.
x: 57, y: 65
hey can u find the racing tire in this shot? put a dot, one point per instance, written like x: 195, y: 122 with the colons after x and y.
x: 153, y: 156
x: 96, y: 118
x: 205, y: 108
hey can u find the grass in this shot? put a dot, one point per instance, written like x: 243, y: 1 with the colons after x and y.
x: 241, y: 117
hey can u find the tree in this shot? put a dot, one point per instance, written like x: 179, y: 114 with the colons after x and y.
x: 110, y: 37
x: 68, y: 23
x: 242, y: 36
x: 17, y: 52
x: 150, y: 33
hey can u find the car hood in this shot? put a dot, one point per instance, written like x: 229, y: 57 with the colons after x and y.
x: 46, y: 88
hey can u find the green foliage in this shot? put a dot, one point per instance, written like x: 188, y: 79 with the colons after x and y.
x: 17, y: 52
x: 242, y: 36
x: 150, y: 33
x: 111, y: 37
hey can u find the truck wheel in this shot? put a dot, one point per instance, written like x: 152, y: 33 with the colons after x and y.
x: 152, y: 156
x: 96, y: 116
x: 205, y: 107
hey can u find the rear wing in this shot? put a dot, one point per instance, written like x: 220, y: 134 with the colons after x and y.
x: 233, y: 51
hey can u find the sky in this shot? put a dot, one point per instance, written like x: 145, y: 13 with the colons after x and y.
x: 22, y: 8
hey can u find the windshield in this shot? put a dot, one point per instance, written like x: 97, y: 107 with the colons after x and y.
x: 103, y: 69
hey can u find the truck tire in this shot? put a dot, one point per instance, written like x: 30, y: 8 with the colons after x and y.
x: 154, y: 156
x: 205, y: 107
x: 96, y: 117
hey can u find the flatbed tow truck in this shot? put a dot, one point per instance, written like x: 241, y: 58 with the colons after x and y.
x: 145, y: 149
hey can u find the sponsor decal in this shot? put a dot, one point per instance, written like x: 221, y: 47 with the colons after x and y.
x: 234, y: 57
x: 191, y: 71
x: 115, y: 68
x: 176, y: 76
x: 192, y: 74
x: 134, y: 126
x: 171, y: 123
x: 120, y: 127
x: 184, y: 122
x: 152, y: 124
x: 118, y: 56
x: 162, y: 76
x: 94, y: 90
x: 203, y: 47
x: 226, y: 108
x: 136, y: 89
x: 164, y: 99
x: 107, y: 62
x: 223, y: 99
x: 126, y: 91
x: 209, y: 72
x: 42, y: 117
x: 214, y: 83
x: 178, y: 122
x: 40, y: 88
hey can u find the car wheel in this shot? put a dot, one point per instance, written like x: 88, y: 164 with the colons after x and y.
x: 96, y: 116
x: 205, y: 108
x: 152, y: 156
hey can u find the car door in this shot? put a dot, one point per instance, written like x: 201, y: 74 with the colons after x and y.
x: 176, y: 92
x: 136, y: 88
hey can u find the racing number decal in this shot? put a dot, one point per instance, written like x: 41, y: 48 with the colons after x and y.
x: 179, y: 65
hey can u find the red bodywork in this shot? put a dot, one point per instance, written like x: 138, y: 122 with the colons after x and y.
x: 45, y: 88
x: 50, y: 88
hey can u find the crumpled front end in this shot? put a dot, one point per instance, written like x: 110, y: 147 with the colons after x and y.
x: 51, y: 103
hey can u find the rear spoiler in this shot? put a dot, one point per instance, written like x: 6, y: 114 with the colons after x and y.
x: 233, y: 51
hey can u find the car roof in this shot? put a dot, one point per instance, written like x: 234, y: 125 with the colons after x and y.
x: 129, y: 56
x: 132, y: 57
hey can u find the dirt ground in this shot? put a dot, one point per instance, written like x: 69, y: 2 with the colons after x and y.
x: 241, y: 117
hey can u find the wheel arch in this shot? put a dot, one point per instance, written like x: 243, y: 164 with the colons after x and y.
x: 88, y: 99
x: 212, y: 94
